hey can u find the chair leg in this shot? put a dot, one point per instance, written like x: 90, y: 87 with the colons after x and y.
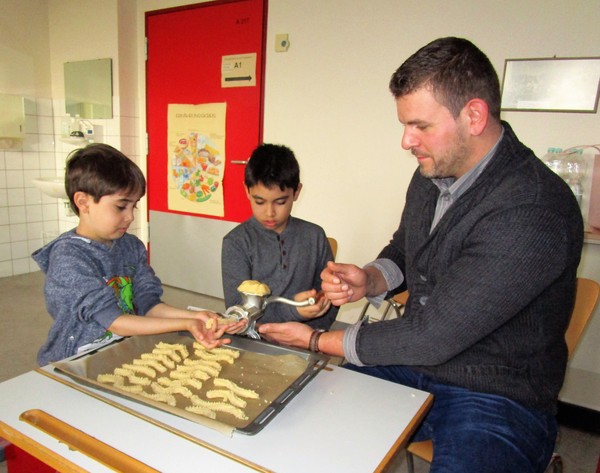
x: 410, y: 462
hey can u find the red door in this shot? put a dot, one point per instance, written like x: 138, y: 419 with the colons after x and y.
x: 185, y: 48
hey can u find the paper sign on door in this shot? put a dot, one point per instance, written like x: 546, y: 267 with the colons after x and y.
x: 238, y: 70
x: 196, y: 158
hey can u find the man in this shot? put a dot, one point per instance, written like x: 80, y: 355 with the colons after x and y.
x: 488, y: 248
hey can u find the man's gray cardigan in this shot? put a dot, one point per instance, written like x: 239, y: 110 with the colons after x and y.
x: 492, y: 287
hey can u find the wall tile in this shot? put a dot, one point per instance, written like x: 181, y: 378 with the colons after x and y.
x: 6, y: 268
x: 20, y: 266
x: 14, y: 160
x: 50, y: 212
x: 5, y: 254
x: 19, y: 249
x: 18, y: 232
x: 33, y: 196
x: 14, y: 179
x: 17, y: 214
x: 33, y: 267
x: 35, y: 230
x: 50, y: 226
x: 34, y: 245
x: 46, y: 143
x: 47, y: 160
x: 31, y: 160
x: 45, y: 125
x: 4, y: 234
x: 16, y: 197
x: 34, y: 214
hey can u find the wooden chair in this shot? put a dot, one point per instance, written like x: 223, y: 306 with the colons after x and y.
x: 585, y: 302
x: 396, y: 303
x: 333, y: 245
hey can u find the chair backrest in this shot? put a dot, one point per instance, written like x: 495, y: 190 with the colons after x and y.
x: 333, y: 245
x: 585, y: 301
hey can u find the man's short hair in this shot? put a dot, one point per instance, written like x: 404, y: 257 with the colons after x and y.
x: 273, y: 165
x: 99, y: 170
x: 455, y: 71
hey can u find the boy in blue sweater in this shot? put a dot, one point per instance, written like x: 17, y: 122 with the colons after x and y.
x: 284, y: 252
x: 98, y: 280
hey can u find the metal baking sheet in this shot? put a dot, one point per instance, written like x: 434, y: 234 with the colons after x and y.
x: 277, y: 373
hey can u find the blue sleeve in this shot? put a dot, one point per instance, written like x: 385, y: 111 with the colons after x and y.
x: 147, y: 287
x: 75, y: 288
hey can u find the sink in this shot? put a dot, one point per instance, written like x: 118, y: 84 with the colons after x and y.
x: 51, y: 186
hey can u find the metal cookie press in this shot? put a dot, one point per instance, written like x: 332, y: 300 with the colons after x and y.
x: 253, y: 306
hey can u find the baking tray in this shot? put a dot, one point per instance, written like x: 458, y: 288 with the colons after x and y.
x: 277, y: 373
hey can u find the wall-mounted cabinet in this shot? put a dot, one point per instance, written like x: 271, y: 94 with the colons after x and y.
x: 12, y: 121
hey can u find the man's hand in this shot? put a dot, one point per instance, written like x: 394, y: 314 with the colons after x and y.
x: 343, y: 283
x: 295, y: 334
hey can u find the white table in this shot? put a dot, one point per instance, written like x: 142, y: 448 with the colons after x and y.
x: 341, y: 421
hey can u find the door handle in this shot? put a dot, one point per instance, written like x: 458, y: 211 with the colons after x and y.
x: 238, y: 161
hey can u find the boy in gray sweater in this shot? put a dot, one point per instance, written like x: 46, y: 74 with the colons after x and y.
x: 98, y: 280
x: 284, y: 252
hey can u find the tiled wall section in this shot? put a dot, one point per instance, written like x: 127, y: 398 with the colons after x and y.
x: 28, y: 218
x: 25, y: 215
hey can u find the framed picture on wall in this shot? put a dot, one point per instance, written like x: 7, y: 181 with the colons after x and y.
x: 551, y: 84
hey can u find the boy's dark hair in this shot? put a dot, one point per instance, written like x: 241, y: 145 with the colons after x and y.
x: 455, y: 70
x: 99, y: 170
x: 273, y: 165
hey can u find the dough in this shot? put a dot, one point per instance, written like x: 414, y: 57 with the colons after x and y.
x: 254, y: 287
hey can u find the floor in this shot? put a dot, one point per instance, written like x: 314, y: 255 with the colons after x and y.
x: 25, y: 322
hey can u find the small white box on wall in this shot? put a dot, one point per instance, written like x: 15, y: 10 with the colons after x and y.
x: 12, y: 121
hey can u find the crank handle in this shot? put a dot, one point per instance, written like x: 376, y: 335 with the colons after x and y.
x: 307, y: 302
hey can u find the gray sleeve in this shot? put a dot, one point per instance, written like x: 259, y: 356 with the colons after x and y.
x: 235, y: 267
x: 349, y: 344
x: 391, y: 273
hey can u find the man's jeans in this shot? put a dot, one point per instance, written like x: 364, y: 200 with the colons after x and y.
x: 475, y: 432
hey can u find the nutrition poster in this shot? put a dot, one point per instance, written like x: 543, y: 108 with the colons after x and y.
x: 196, y: 158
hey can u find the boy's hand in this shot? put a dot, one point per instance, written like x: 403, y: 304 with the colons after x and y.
x: 319, y: 308
x: 214, y: 324
x: 209, y: 337
x: 235, y: 327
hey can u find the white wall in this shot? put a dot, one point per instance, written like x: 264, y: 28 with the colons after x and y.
x: 327, y: 97
x: 24, y: 48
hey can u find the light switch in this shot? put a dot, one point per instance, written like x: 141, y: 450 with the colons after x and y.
x: 282, y: 43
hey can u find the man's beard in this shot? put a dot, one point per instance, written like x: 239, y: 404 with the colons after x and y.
x: 450, y: 162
